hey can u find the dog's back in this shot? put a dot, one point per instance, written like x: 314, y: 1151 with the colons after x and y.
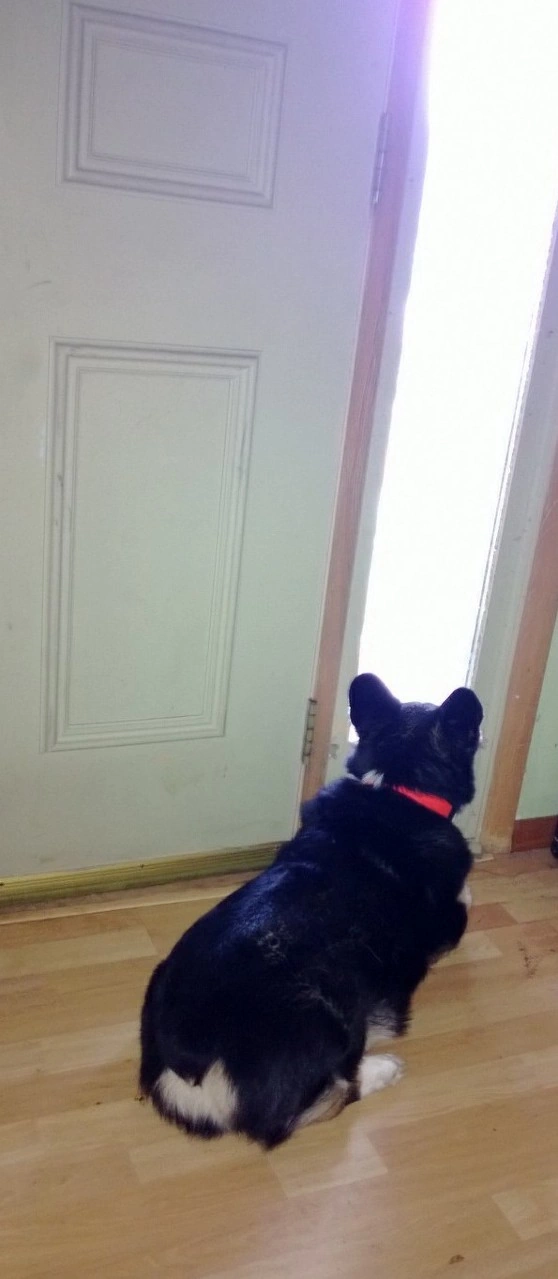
x: 259, y: 1019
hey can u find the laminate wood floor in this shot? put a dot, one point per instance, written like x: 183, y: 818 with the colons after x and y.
x: 453, y: 1172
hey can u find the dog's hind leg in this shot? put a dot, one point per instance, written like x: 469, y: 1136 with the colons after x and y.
x: 329, y: 1104
x: 387, y: 1020
x: 373, y: 1074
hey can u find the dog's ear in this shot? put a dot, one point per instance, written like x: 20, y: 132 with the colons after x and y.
x: 461, y: 714
x: 371, y: 703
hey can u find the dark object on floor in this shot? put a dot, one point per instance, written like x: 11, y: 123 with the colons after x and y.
x: 261, y: 1018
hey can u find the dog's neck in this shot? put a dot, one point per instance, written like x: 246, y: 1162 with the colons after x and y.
x: 434, y: 803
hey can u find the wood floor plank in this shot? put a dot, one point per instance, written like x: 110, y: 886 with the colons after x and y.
x: 171, y: 1157
x: 452, y: 1173
x: 75, y: 952
x: 474, y: 947
x: 535, y: 906
x: 491, y: 888
x: 475, y: 1085
x: 538, y: 1260
x: 43, y: 1094
x: 18, y: 933
x: 490, y: 1042
x: 492, y: 915
x: 64, y: 1053
x: 450, y: 1158
x: 531, y: 1210
x: 320, y: 1158
x: 80, y: 999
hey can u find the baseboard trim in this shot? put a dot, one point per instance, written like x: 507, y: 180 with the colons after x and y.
x: 110, y: 879
x: 533, y: 832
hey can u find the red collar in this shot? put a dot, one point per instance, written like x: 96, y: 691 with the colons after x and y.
x: 433, y: 802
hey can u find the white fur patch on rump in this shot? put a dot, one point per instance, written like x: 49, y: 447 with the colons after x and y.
x: 215, y: 1098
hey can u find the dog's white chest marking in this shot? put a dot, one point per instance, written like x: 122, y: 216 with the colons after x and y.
x: 466, y: 896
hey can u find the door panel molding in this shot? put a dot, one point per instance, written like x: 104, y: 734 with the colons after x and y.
x: 99, y: 497
x: 126, y: 75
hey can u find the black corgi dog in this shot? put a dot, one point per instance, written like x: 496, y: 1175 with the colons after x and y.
x: 263, y: 1017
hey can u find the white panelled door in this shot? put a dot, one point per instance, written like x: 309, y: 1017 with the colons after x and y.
x: 184, y: 220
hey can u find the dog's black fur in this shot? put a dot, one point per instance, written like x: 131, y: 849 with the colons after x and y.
x: 281, y: 982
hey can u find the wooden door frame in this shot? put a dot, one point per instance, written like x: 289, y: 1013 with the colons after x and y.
x: 534, y: 637
x: 522, y: 611
x: 405, y: 86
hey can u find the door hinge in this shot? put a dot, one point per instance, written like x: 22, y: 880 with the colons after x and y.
x: 308, y: 740
x: 381, y: 152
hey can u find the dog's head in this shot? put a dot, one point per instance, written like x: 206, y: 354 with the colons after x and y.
x: 413, y: 744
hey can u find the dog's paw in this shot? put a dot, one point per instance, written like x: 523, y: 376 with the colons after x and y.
x: 377, y: 1072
